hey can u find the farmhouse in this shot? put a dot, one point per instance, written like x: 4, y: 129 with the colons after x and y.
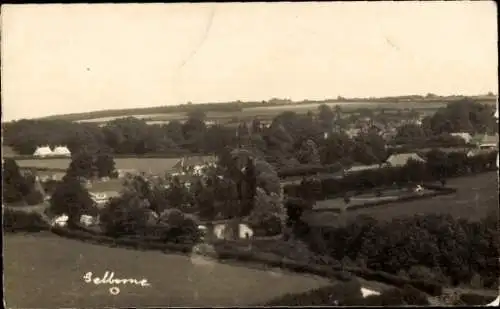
x: 401, y: 159
x: 62, y: 151
x: 43, y: 151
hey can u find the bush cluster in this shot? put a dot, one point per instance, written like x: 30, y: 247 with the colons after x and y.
x: 439, y: 166
x: 453, y: 251
x: 20, y: 221
x: 349, y: 294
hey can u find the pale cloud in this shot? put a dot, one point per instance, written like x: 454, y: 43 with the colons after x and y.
x: 75, y: 58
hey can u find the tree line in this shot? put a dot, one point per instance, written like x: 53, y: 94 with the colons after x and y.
x: 438, y: 167
x: 291, y: 139
x: 433, y: 247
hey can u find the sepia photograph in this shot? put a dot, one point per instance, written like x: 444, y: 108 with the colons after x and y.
x: 250, y: 154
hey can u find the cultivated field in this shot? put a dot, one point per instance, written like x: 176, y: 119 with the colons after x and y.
x: 140, y: 164
x: 476, y: 196
x: 46, y: 271
x: 267, y: 112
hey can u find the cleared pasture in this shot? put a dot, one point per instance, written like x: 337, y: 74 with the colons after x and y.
x: 476, y: 197
x: 270, y: 111
x: 345, y: 106
x: 46, y: 271
x: 140, y: 164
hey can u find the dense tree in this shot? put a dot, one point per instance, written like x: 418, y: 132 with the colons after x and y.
x: 72, y: 199
x: 82, y: 165
x: 452, y: 250
x: 105, y: 165
x: 410, y: 133
x: 336, y: 147
x: 309, y: 153
x: 326, y: 117
x: 15, y: 186
x: 464, y: 116
x: 125, y: 215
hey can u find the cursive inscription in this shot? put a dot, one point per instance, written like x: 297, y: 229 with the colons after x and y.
x: 109, y: 278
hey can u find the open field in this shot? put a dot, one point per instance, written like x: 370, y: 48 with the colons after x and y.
x: 223, y: 110
x: 140, y: 164
x: 271, y: 111
x: 338, y: 203
x: 475, y: 197
x: 47, y: 271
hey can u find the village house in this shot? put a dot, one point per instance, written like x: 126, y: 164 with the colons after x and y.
x: 61, y: 151
x: 226, y: 229
x: 122, y: 173
x: 463, y: 135
x: 401, y: 159
x: 193, y: 163
x: 101, y: 198
x: 43, y: 151
x: 353, y: 132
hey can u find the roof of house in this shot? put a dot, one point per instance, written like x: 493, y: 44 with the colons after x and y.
x: 475, y: 152
x: 360, y: 167
x: 464, y: 135
x: 43, y: 150
x: 402, y: 158
x: 61, y: 150
x: 193, y: 160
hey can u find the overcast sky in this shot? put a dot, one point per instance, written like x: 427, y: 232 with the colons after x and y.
x: 76, y: 58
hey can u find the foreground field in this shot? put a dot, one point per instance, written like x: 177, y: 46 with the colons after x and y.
x: 47, y: 271
x: 140, y: 164
x: 476, y: 196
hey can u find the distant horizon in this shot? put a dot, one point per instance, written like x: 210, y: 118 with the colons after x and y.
x: 60, y: 59
x: 247, y: 101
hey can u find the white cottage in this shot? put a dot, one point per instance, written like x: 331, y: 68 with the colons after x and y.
x: 62, y: 151
x: 43, y: 151
x: 224, y: 229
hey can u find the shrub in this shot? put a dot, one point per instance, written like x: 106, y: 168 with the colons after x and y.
x: 124, y: 215
x: 418, y: 245
x: 19, y: 221
x: 34, y: 197
x: 349, y: 292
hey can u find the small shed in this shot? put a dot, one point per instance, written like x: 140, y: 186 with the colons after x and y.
x: 60, y: 220
x: 401, y: 159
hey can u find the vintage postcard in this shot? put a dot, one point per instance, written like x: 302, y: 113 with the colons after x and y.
x: 250, y: 154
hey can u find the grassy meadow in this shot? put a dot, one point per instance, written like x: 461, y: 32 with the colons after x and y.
x: 140, y: 164
x: 476, y: 196
x: 46, y: 271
